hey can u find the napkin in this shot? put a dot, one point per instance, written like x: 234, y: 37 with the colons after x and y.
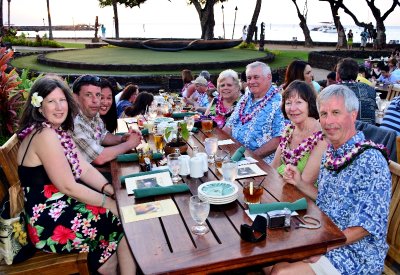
x: 162, y: 190
x: 182, y: 115
x: 145, y: 132
x: 122, y: 178
x: 195, y: 130
x: 239, y: 154
x: 135, y: 157
x: 300, y: 204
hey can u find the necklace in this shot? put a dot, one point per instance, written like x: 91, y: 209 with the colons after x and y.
x: 220, y: 109
x: 66, y: 142
x: 293, y: 156
x: 244, y: 118
x: 338, y: 163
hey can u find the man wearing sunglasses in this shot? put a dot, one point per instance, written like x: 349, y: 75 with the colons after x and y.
x: 96, y: 144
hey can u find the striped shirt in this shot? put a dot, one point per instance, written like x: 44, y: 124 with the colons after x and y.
x: 391, y: 120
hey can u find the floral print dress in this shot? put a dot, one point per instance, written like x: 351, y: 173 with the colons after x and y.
x: 60, y: 224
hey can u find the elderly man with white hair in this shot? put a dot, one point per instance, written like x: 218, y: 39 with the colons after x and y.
x: 257, y: 121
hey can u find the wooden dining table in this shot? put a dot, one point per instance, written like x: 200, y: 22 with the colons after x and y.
x: 166, y: 245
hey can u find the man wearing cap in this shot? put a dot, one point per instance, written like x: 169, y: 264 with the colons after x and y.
x: 199, y: 98
x: 95, y: 143
x: 257, y: 121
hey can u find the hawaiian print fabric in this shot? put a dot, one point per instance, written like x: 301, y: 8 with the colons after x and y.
x: 266, y: 124
x: 358, y: 195
x: 60, y: 224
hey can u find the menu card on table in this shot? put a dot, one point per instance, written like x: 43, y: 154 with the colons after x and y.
x: 148, y: 210
x: 158, y: 179
x: 247, y: 171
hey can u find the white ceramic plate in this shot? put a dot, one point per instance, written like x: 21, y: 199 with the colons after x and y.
x: 218, y: 189
x: 218, y: 202
x: 163, y: 119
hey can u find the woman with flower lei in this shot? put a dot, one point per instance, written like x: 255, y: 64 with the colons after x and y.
x: 229, y: 93
x: 301, y: 145
x: 69, y: 204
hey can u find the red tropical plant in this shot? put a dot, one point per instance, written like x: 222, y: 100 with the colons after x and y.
x: 11, y: 100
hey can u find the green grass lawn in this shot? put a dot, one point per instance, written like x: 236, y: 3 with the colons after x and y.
x: 117, y: 55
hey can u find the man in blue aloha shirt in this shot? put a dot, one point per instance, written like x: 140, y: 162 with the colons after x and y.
x: 257, y: 121
x: 354, y: 191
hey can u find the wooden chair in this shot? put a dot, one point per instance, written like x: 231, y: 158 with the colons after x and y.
x: 41, y: 262
x: 392, y: 92
x: 398, y: 148
x: 393, y: 236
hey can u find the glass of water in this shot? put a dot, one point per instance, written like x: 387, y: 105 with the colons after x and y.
x: 211, y: 146
x: 174, y: 166
x: 229, y: 170
x: 189, y: 123
x: 199, y: 211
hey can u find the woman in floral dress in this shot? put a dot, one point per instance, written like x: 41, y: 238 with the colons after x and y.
x: 69, y: 204
x: 229, y: 94
x: 301, y: 145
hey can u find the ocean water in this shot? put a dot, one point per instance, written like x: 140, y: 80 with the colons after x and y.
x: 280, y: 32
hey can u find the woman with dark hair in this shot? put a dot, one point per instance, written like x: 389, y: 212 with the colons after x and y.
x: 139, y: 107
x: 188, y: 87
x: 128, y: 97
x: 300, y: 70
x: 64, y: 214
x: 108, y: 108
x: 301, y: 145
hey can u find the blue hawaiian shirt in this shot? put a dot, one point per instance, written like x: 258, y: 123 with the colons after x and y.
x: 203, y: 100
x: 265, y: 125
x: 358, y: 195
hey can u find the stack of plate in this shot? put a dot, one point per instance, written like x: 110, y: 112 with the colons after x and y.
x: 218, y: 192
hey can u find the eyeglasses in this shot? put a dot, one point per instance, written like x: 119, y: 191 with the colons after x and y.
x: 85, y: 79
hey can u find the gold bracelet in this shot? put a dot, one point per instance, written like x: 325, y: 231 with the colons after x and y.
x: 104, y: 186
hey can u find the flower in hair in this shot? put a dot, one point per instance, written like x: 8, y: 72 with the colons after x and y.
x: 36, y: 100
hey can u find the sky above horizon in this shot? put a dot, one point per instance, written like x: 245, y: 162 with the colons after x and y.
x: 29, y: 12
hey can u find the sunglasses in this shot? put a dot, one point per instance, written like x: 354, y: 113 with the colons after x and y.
x: 85, y: 79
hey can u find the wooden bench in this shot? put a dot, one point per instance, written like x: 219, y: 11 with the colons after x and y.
x: 393, y: 236
x: 41, y: 262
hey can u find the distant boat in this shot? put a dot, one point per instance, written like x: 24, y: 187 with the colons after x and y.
x: 174, y: 45
x: 328, y: 27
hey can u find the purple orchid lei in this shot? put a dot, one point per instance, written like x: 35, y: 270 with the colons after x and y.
x: 339, y: 163
x: 293, y: 156
x: 66, y: 143
x: 244, y: 118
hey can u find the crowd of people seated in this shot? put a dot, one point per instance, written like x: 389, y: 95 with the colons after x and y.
x: 306, y: 133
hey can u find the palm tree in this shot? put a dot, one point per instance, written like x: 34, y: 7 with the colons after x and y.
x: 49, y: 17
x: 253, y: 24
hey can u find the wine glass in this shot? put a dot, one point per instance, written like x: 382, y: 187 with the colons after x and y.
x: 211, y: 146
x: 174, y: 166
x: 199, y: 211
x: 152, y: 111
x: 229, y: 170
x: 189, y: 123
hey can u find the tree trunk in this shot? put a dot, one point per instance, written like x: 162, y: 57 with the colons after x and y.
x: 303, y: 25
x: 1, y: 19
x: 381, y: 34
x: 207, y: 21
x: 116, y: 21
x: 49, y: 17
x: 8, y: 15
x: 252, y: 27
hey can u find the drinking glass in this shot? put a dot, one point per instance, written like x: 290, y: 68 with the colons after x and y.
x: 207, y: 125
x: 174, y: 166
x: 189, y: 123
x: 153, y: 111
x: 229, y: 170
x: 211, y: 146
x: 220, y: 157
x: 199, y: 211
x: 158, y: 142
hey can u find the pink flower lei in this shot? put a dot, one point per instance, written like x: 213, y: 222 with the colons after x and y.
x: 339, y: 163
x: 293, y: 156
x: 220, y: 108
x: 244, y: 118
x: 66, y: 143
